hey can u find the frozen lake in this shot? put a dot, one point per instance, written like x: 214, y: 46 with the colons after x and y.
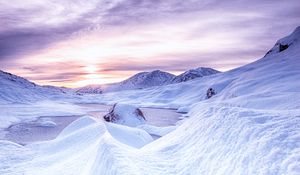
x: 48, y: 127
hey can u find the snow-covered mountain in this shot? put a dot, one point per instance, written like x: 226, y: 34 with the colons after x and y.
x: 138, y: 81
x: 90, y: 89
x: 285, y: 42
x: 194, y: 73
x: 251, y: 126
x: 18, y: 89
x: 143, y: 80
x: 148, y: 79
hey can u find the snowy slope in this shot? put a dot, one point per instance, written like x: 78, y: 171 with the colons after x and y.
x: 250, y: 127
x: 194, y: 73
x: 147, y: 79
x: 16, y: 89
x: 285, y: 42
x: 143, y: 80
x: 275, y: 74
x: 90, y: 89
x: 137, y: 81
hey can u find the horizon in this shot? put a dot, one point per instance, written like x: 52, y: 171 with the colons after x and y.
x: 74, y: 44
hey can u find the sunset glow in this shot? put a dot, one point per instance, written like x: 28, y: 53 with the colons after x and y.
x: 79, y: 43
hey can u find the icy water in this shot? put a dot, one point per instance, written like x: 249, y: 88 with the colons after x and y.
x: 48, y: 127
x: 154, y: 116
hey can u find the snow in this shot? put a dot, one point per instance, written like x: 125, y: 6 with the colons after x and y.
x: 146, y: 80
x: 288, y: 41
x: 143, y: 80
x: 46, y: 122
x: 138, y: 81
x: 130, y: 136
x: 194, y: 73
x: 14, y: 113
x: 156, y: 130
x: 15, y: 89
x: 251, y: 126
x: 90, y: 89
x: 126, y: 115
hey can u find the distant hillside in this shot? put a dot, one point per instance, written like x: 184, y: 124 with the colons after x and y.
x: 18, y: 89
x: 148, y: 79
x: 143, y: 80
x: 194, y: 73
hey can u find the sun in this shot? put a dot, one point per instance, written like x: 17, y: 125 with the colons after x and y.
x: 91, y: 69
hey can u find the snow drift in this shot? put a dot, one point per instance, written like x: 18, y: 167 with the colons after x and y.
x: 250, y: 127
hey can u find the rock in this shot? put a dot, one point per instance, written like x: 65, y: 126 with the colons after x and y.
x: 125, y: 114
x: 210, y: 92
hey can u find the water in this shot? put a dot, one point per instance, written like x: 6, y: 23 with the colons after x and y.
x: 154, y: 116
x: 33, y: 131
x: 43, y: 128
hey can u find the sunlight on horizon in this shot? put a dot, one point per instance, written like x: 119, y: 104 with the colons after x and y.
x: 77, y: 49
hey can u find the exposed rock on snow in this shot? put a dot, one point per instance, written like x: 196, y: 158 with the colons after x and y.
x: 284, y: 43
x: 210, y: 92
x: 125, y: 114
x: 250, y: 127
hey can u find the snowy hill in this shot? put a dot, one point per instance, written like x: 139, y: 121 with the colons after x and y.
x: 18, y: 89
x: 255, y: 79
x: 286, y: 42
x: 251, y: 126
x: 147, y: 79
x: 90, y: 89
x: 138, y: 81
x: 143, y: 80
x: 194, y: 73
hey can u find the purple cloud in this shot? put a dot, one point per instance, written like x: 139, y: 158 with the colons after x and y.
x: 20, y: 34
x: 29, y: 27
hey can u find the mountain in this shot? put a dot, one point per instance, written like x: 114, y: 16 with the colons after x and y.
x: 90, y: 89
x: 17, y: 89
x: 285, y: 42
x: 148, y: 79
x: 256, y: 80
x: 143, y: 80
x: 251, y: 126
x: 255, y: 112
x: 138, y: 81
x: 194, y: 73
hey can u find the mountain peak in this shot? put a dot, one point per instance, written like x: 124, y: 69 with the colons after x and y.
x: 284, y: 43
x: 194, y: 73
x: 148, y: 79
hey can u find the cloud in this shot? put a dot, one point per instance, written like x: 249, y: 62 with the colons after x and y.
x: 30, y: 26
x: 138, y: 35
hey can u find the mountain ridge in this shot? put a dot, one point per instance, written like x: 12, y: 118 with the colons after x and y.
x: 153, y: 78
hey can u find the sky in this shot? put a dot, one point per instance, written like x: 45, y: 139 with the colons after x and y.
x: 74, y: 43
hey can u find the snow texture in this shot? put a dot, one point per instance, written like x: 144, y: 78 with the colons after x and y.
x: 148, y: 79
x: 194, y: 73
x: 251, y: 126
x: 125, y: 114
